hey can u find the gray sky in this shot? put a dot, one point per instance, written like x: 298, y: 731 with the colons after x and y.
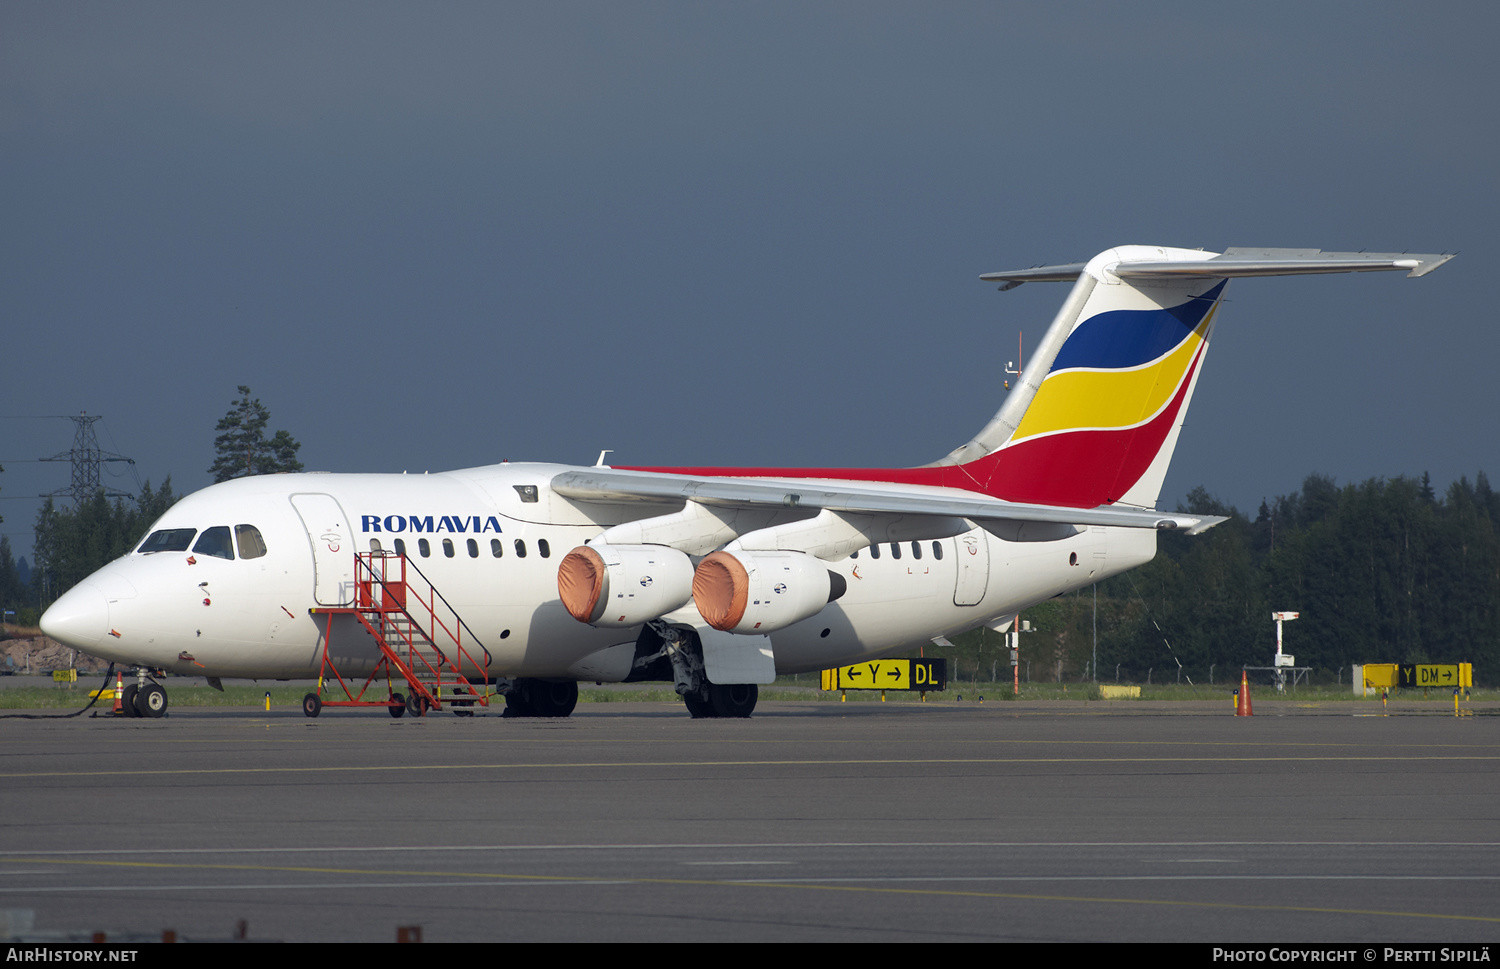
x: 441, y: 235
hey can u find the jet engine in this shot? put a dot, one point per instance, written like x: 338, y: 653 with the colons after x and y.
x: 761, y: 592
x: 623, y: 585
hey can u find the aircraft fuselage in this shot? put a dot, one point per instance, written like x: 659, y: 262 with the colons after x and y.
x: 490, y: 540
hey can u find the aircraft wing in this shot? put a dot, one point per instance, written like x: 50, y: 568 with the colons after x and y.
x: 616, y: 485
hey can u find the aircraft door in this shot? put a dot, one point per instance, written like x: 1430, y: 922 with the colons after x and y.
x: 332, y: 546
x: 973, y: 556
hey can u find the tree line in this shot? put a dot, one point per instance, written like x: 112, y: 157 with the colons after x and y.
x: 1386, y: 571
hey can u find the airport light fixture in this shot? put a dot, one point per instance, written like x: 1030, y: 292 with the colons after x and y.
x: 1283, y: 660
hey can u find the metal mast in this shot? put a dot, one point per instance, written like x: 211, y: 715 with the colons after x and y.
x: 86, y: 456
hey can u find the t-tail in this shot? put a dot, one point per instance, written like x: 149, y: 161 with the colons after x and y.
x: 1096, y: 415
x: 1095, y: 418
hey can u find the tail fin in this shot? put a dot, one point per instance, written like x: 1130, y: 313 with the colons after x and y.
x: 1096, y: 417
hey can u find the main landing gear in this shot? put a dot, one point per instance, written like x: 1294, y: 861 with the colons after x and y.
x: 541, y: 698
x: 683, y: 649
x: 722, y: 700
x: 143, y: 698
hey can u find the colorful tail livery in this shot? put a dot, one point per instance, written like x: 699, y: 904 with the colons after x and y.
x: 1095, y: 419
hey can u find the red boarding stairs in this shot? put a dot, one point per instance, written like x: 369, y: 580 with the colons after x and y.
x: 409, y: 619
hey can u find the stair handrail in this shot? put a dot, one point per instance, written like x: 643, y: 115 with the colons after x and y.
x: 367, y: 561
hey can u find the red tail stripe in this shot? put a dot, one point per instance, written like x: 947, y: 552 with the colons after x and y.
x: 1074, y: 469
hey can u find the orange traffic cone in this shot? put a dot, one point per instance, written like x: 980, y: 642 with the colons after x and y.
x: 119, y: 688
x: 1243, y: 709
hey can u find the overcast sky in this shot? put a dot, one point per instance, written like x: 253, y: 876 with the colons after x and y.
x: 432, y: 236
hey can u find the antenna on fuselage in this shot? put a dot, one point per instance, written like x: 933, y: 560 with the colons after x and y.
x: 600, y: 463
x: 1016, y: 363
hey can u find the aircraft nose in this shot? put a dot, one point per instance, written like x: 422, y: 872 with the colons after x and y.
x: 80, y: 618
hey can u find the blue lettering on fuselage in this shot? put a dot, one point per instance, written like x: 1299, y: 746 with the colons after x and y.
x: 429, y: 523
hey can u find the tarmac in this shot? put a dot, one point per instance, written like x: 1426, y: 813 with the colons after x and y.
x: 811, y: 821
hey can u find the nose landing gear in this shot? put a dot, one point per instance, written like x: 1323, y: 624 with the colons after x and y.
x: 143, y: 698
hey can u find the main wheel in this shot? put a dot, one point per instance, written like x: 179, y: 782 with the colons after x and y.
x: 516, y: 704
x: 733, y: 699
x: 698, y: 706
x: 151, y: 701
x: 552, y: 699
x: 312, y: 705
x: 397, y: 708
x: 127, y: 700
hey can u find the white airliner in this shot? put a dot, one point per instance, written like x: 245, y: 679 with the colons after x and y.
x: 715, y: 579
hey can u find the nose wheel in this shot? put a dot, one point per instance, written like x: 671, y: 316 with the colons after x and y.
x: 127, y: 700
x: 151, y: 701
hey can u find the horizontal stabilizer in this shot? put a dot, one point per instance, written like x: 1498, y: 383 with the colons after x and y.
x: 1037, y: 274
x: 1239, y: 262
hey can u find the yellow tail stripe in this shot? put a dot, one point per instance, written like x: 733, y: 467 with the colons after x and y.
x: 1104, y: 398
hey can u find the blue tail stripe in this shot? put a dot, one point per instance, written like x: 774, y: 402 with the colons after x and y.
x: 1118, y: 339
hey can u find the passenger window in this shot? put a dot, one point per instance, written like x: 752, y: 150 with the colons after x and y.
x: 168, y: 540
x: 937, y: 550
x: 497, y: 547
x: 448, y: 547
x: 520, y: 548
x: 400, y: 548
x: 473, y: 549
x: 252, y: 546
x: 374, y: 546
x: 874, y: 551
x: 542, y: 548
x: 854, y: 554
x: 424, y: 549
x: 916, y: 550
x: 895, y: 550
x: 215, y: 541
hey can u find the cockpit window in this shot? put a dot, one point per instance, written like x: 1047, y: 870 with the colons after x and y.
x: 168, y: 540
x: 252, y: 546
x: 215, y: 541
